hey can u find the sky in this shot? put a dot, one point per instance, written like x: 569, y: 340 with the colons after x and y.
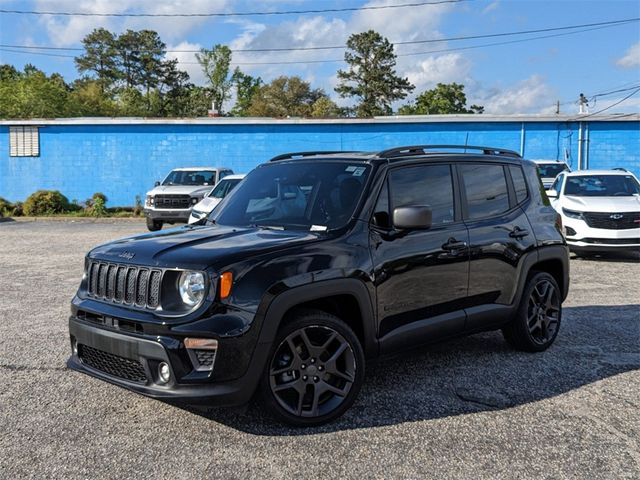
x: 528, y: 75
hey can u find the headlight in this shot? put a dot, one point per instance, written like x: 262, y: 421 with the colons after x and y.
x: 149, y: 200
x: 194, y: 200
x: 572, y: 213
x: 191, y: 286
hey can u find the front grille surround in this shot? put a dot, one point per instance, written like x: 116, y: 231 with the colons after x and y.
x: 604, y: 220
x: 133, y: 286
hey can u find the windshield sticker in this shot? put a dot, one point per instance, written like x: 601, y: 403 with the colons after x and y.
x: 318, y: 228
x: 358, y: 171
x: 350, y: 168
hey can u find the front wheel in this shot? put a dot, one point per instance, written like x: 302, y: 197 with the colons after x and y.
x: 315, y: 370
x: 153, y: 225
x: 537, y: 320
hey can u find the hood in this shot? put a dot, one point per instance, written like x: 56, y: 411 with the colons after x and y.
x: 197, y: 190
x: 602, y: 204
x: 198, y: 247
x: 207, y: 204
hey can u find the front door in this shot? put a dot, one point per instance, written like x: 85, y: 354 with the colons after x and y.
x: 420, y: 275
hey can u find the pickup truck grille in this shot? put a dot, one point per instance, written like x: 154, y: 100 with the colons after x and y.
x: 126, y: 284
x: 613, y: 221
x: 172, y: 201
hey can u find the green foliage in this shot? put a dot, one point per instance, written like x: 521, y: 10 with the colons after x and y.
x: 100, y: 58
x: 46, y: 202
x: 216, y: 64
x: 324, y: 107
x: 446, y: 98
x: 98, y: 209
x: 32, y: 94
x: 285, y: 97
x: 371, y: 77
x: 246, y: 88
x: 137, y: 210
x: 5, y: 208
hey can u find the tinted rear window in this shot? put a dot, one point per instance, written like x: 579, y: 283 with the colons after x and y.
x: 519, y: 183
x: 486, y: 190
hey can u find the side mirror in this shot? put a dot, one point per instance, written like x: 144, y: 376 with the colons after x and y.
x: 414, y: 217
x: 156, y: 184
x: 552, y: 194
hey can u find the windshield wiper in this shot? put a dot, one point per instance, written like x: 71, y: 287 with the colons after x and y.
x: 267, y: 227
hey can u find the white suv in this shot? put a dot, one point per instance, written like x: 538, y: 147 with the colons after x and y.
x: 600, y: 209
x: 202, y: 209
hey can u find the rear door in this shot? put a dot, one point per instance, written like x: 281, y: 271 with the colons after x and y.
x: 499, y: 231
x: 420, y: 275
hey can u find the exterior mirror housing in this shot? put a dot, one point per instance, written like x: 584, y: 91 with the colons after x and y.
x: 412, y: 217
x: 552, y: 194
x: 156, y: 184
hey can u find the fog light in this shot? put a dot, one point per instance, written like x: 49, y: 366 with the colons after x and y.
x: 164, y: 374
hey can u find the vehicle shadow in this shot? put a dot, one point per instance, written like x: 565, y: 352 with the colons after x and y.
x: 612, y: 257
x: 474, y: 374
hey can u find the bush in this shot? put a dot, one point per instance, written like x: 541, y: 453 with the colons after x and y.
x: 97, y: 209
x: 5, y: 207
x: 17, y: 209
x: 101, y: 196
x: 46, y: 202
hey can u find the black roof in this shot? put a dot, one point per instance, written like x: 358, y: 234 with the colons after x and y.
x: 406, y: 153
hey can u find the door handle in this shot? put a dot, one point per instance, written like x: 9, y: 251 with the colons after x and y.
x: 518, y: 232
x: 453, y: 244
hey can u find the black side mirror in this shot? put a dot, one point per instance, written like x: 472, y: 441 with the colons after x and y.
x: 156, y: 184
x: 413, y: 217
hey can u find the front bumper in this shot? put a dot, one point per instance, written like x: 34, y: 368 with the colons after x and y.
x: 581, y: 237
x: 144, y: 353
x: 168, y: 215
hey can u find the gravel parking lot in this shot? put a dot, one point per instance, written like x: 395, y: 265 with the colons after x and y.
x: 469, y: 408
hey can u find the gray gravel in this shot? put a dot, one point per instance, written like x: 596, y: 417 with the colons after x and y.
x: 469, y: 408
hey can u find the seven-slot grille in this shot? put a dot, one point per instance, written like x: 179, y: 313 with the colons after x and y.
x: 111, y: 364
x: 172, y: 201
x: 125, y: 284
x: 613, y: 221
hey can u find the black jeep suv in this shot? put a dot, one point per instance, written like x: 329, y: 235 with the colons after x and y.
x: 317, y: 261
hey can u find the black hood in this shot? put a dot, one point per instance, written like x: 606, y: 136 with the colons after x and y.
x: 198, y: 247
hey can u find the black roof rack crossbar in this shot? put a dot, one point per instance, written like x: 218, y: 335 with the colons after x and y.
x: 288, y: 156
x: 424, y: 149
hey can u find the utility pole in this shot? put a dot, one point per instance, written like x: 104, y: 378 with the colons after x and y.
x: 557, y: 107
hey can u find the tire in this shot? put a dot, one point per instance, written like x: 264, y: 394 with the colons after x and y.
x: 153, y: 225
x: 536, y: 323
x: 315, y: 370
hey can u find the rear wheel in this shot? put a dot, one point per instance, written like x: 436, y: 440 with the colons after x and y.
x: 153, y: 225
x: 537, y: 321
x: 315, y: 370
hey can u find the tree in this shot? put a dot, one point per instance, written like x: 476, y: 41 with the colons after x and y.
x: 99, y: 57
x: 324, y: 107
x: 87, y: 100
x: 128, y: 60
x: 371, y: 77
x: 285, y: 97
x: 31, y: 94
x: 246, y: 88
x: 216, y: 65
x: 446, y: 98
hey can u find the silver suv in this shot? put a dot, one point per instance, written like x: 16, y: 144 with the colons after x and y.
x: 172, y: 199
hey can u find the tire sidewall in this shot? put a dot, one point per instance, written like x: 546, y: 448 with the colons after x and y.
x: 523, y: 312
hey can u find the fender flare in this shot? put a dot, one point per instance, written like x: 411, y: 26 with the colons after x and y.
x: 275, y: 309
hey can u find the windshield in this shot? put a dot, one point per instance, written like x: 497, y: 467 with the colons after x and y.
x: 183, y: 177
x: 223, y: 188
x: 315, y: 196
x: 550, y: 170
x: 602, y: 186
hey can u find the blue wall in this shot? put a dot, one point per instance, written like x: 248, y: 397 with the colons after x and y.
x: 123, y: 160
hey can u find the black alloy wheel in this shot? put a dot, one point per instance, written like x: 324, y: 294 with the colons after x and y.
x: 315, y: 371
x: 536, y: 323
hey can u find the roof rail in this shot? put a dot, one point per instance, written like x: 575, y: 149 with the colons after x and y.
x: 621, y: 169
x: 289, y: 156
x: 424, y: 149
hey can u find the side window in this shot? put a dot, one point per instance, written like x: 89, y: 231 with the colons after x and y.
x: 429, y: 185
x: 557, y: 184
x: 519, y: 183
x: 486, y: 189
x: 381, y: 216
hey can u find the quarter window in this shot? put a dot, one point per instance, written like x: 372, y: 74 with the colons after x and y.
x: 519, y: 183
x: 428, y: 185
x: 486, y: 190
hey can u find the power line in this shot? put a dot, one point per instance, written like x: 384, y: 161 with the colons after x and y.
x: 6, y: 48
x: 408, y: 42
x: 610, y: 106
x: 230, y: 14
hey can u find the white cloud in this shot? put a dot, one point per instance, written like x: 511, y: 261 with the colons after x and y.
x: 452, y: 67
x: 531, y: 95
x: 491, y: 7
x: 68, y: 30
x: 631, y: 59
x: 187, y: 60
